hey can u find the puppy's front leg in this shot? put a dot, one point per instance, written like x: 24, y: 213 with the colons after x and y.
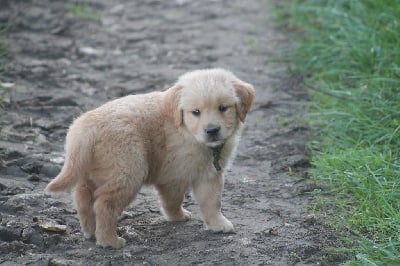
x: 208, y: 194
x: 171, y: 197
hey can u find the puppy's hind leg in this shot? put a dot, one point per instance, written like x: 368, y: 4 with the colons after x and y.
x: 83, y: 198
x: 110, y: 200
x: 171, y: 197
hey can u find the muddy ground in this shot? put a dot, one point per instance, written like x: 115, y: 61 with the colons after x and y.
x: 60, y: 64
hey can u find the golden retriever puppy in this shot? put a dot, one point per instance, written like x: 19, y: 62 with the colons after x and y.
x: 179, y: 139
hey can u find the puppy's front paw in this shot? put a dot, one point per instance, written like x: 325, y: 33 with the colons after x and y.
x: 181, y: 215
x: 186, y: 215
x: 220, y: 224
x: 116, y: 243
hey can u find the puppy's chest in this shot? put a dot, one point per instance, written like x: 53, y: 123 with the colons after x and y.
x: 187, y: 163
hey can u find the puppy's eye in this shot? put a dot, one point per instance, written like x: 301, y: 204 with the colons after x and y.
x: 222, y: 108
x: 196, y: 112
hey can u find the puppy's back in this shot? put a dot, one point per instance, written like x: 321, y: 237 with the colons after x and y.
x: 95, y: 137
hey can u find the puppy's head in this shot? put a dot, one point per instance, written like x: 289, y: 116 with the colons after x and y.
x: 210, y: 104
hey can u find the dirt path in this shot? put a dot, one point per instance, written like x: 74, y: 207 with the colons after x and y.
x: 62, y: 64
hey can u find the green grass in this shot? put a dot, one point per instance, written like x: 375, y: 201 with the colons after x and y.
x: 350, y: 50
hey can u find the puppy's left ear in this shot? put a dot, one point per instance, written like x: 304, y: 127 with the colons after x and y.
x: 171, y: 104
x: 246, y: 93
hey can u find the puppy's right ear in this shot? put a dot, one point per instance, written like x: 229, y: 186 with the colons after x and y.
x: 172, y: 104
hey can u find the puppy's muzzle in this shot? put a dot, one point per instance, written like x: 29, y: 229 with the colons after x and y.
x: 212, y: 133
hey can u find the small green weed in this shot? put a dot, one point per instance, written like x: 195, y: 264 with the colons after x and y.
x: 84, y: 10
x: 294, y: 258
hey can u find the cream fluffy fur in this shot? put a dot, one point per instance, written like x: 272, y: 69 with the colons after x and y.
x: 160, y: 138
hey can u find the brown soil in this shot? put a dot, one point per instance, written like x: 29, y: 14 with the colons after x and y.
x: 59, y: 65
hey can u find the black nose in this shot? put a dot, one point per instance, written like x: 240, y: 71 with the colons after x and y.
x: 213, y: 130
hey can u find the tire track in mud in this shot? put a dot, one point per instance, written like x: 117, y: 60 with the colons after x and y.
x: 62, y: 64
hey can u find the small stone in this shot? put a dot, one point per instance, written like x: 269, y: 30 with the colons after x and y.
x: 310, y: 219
x: 31, y: 236
x: 32, y: 167
x: 13, y: 190
x: 34, y: 178
x: 61, y: 262
x: 62, y: 101
x: 45, y: 123
x: 50, y: 170
x: 40, y: 139
x: 10, y: 206
x: 90, y: 51
x: 9, y: 234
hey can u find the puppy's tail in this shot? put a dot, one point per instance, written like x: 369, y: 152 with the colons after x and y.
x: 78, y: 155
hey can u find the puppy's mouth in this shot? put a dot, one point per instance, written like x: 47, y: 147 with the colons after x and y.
x: 214, y: 141
x: 213, y: 144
